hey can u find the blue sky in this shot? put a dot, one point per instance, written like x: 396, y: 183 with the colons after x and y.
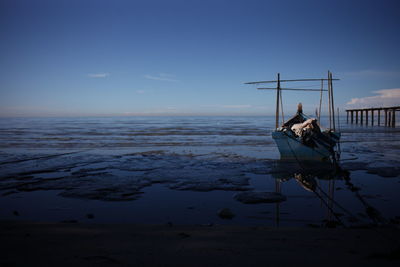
x: 67, y: 58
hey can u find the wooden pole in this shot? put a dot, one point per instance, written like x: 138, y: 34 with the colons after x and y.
x: 277, y: 208
x: 386, y: 117
x: 366, y: 117
x: 390, y: 118
x: 372, y: 117
x: 320, y: 102
x: 347, y: 114
x: 329, y: 102
x: 362, y: 117
x: 277, y: 102
x: 333, y: 103
x: 352, y: 117
x: 379, y: 117
x: 356, y: 116
x: 394, y: 118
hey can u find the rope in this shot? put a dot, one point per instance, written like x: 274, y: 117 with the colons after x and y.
x: 330, y: 209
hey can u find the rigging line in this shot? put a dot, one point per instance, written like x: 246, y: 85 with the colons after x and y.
x: 352, y: 188
x: 330, y: 209
x: 371, y: 211
x: 336, y: 203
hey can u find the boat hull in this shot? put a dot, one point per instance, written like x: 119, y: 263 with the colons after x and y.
x: 291, y: 148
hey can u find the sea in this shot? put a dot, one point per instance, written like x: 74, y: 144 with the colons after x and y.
x: 191, y: 170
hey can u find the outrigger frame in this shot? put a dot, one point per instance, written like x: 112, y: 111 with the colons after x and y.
x: 278, y: 88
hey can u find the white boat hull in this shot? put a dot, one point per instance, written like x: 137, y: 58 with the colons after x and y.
x: 292, y: 148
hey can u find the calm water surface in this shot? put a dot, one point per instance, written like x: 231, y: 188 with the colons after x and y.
x: 183, y: 170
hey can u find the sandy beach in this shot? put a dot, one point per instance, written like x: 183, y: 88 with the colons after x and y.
x: 75, y: 244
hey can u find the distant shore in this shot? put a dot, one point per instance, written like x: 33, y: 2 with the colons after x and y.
x: 75, y: 244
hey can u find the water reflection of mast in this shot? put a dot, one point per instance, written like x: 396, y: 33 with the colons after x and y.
x: 277, y: 210
x: 329, y: 197
x: 277, y: 183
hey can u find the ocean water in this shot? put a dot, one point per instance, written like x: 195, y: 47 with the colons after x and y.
x: 184, y: 170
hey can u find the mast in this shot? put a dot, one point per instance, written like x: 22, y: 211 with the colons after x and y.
x: 277, y: 183
x: 278, y: 87
x: 329, y: 103
x: 333, y: 106
x: 320, y: 102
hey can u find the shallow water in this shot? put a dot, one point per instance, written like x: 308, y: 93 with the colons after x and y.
x: 183, y: 170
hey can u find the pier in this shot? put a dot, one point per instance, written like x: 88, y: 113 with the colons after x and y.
x: 389, y: 114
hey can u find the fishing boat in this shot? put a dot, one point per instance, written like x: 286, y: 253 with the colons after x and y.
x: 301, y: 137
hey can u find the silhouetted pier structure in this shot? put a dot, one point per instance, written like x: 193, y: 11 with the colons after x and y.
x: 388, y: 112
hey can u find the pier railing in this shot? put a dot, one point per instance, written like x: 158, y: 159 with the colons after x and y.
x: 389, y: 115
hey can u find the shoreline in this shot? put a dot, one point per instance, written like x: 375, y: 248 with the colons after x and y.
x: 82, y: 244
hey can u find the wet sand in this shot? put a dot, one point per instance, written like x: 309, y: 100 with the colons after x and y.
x: 75, y: 244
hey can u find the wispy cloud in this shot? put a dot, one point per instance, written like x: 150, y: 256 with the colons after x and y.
x: 98, y: 75
x: 384, y: 97
x: 162, y: 77
x: 372, y: 73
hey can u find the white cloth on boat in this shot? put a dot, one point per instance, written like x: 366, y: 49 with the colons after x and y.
x: 298, y: 128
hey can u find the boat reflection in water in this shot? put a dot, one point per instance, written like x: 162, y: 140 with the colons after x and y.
x: 308, y: 175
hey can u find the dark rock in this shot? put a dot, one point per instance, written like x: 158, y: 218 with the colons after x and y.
x: 9, y: 193
x: 184, y: 235
x: 384, y: 171
x: 391, y: 255
x: 259, y: 197
x: 226, y: 214
x: 69, y: 221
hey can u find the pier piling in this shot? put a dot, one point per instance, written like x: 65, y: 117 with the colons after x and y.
x: 386, y: 117
x: 352, y: 116
x: 379, y: 117
x: 356, y: 116
x: 372, y: 117
x: 394, y: 118
x: 390, y: 115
